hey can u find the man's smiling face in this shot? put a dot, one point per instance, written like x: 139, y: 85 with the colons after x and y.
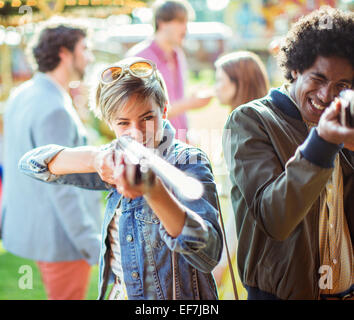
x: 315, y: 88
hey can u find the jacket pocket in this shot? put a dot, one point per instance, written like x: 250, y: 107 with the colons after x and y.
x: 144, y: 213
x: 149, y: 226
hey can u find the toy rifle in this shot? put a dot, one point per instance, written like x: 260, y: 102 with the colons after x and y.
x: 147, y: 164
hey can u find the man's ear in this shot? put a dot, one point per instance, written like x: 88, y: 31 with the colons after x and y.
x: 294, y: 74
x: 64, y: 53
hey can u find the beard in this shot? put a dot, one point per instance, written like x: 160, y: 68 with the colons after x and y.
x: 78, y: 70
x: 79, y: 74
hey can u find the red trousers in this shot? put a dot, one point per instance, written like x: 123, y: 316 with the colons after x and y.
x: 65, y: 280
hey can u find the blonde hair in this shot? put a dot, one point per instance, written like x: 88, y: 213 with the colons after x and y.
x: 111, y: 98
x: 248, y: 72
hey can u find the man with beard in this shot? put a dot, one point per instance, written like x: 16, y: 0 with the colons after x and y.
x: 57, y: 226
x: 291, y: 165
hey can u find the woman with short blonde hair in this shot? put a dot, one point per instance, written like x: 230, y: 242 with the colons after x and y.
x: 156, y: 244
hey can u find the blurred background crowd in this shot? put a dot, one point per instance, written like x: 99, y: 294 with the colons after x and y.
x: 218, y: 28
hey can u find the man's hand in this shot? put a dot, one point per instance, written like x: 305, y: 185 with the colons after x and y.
x: 330, y: 129
x: 200, y: 98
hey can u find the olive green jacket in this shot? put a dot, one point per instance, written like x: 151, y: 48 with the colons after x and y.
x: 278, y: 171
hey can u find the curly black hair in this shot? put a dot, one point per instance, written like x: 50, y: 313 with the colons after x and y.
x: 324, y: 32
x: 47, y: 45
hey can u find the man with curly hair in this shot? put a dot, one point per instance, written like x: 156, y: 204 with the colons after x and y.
x: 57, y: 226
x: 291, y: 165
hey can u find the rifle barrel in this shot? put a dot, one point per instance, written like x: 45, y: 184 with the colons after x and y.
x: 187, y: 186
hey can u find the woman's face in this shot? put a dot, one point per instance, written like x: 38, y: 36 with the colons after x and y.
x: 225, y: 89
x: 141, y: 120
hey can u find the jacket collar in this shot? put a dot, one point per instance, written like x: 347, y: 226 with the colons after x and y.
x: 166, y: 145
x: 281, y: 100
x: 42, y: 78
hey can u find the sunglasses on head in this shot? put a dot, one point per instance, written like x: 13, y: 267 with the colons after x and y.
x: 139, y: 69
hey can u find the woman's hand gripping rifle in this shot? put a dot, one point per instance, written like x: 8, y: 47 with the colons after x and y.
x: 145, y: 164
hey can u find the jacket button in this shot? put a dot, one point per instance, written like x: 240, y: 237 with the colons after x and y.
x: 135, y: 275
x: 129, y: 238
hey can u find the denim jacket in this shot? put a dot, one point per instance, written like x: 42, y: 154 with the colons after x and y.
x: 146, y: 247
